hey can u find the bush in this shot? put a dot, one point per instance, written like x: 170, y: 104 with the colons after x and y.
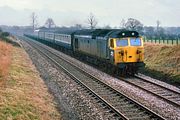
x: 5, y: 34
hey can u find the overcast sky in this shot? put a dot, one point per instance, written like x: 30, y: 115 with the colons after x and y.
x: 108, y: 12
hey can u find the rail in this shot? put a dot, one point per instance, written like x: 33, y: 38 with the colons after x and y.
x: 117, y: 103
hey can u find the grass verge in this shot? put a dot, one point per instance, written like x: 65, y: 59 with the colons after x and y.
x: 163, y: 62
x: 23, y: 94
x: 5, y: 59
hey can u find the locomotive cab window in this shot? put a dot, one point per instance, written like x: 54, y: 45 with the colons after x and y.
x: 111, y: 43
x: 135, y: 42
x: 122, y: 42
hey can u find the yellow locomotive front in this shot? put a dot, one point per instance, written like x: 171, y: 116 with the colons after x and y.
x: 127, y: 53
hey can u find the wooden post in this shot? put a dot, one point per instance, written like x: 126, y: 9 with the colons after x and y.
x: 177, y: 41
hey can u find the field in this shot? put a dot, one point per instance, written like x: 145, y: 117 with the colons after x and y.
x: 23, y: 94
x: 165, y: 59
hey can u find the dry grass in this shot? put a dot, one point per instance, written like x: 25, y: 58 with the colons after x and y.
x: 163, y: 58
x: 5, y: 60
x: 24, y: 95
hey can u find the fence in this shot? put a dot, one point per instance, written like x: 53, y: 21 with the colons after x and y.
x: 172, y: 42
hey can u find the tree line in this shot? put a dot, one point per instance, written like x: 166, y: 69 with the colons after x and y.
x: 151, y: 32
x: 3, y: 34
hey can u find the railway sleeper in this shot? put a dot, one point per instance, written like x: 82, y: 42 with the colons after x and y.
x: 169, y: 94
x: 109, y: 116
x: 151, y: 87
x: 175, y: 98
x: 126, y: 106
x: 103, y: 93
x: 136, y: 115
x: 178, y: 99
x: 114, y: 97
x: 158, y: 92
x: 140, y: 118
x: 122, y: 100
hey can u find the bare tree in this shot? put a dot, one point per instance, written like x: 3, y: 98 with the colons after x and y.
x: 123, y: 24
x: 78, y: 26
x: 92, y: 21
x: 50, y: 23
x: 158, y: 25
x: 160, y: 32
x: 133, y: 24
x: 149, y: 32
x: 34, y: 22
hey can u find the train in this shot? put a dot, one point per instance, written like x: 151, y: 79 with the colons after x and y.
x: 119, y: 51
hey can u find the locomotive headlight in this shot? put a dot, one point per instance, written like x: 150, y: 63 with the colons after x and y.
x: 123, y: 34
x: 133, y: 33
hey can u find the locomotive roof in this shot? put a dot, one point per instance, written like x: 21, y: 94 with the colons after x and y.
x: 93, y: 32
x: 117, y: 33
x: 114, y: 33
x: 123, y: 33
x: 84, y: 32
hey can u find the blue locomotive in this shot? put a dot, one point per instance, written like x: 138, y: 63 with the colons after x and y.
x: 120, y: 51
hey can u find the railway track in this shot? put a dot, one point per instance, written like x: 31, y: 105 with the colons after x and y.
x: 115, y: 104
x: 162, y: 92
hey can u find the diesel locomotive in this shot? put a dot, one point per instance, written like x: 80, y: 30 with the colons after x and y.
x: 119, y: 51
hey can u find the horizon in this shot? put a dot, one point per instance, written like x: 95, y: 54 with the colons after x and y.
x: 69, y: 13
x: 85, y: 27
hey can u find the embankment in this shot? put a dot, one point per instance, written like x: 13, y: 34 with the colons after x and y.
x: 163, y: 62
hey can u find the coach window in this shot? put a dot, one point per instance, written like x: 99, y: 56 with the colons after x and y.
x: 111, y: 43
